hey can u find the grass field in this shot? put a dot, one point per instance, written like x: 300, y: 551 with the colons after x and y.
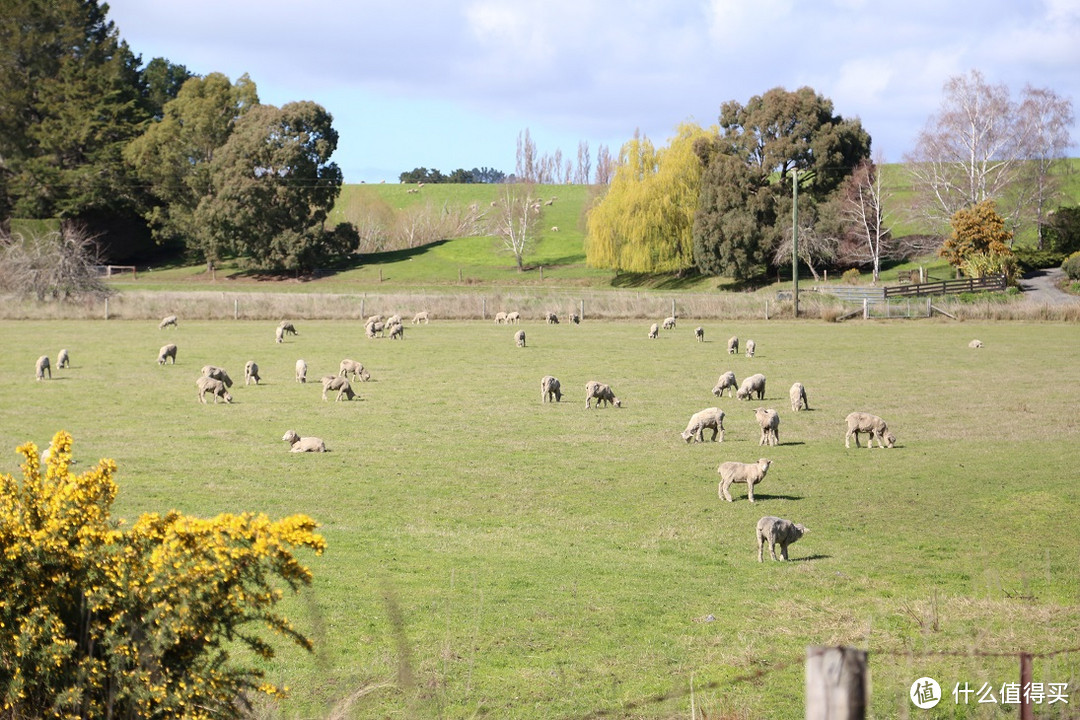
x: 490, y: 556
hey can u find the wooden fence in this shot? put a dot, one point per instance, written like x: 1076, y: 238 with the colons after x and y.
x: 994, y: 283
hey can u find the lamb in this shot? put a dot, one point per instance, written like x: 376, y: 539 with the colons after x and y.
x: 354, y: 368
x: 601, y: 392
x: 654, y: 330
x: 872, y: 425
x: 336, y: 382
x: 737, y: 472
x: 42, y: 367
x: 217, y: 373
x: 769, y: 422
x: 301, y: 371
x: 550, y: 389
x: 726, y: 382
x: 755, y: 384
x: 420, y: 318
x: 519, y: 338
x: 512, y: 317
x: 213, y: 386
x: 777, y: 531
x: 375, y: 329
x: 62, y: 359
x: 573, y: 318
x: 750, y: 347
x: 303, y: 444
x: 279, y: 335
x: 167, y: 321
x: 166, y: 352
x: 552, y: 319
x: 287, y: 328
x: 669, y: 323
x: 251, y: 372
x: 709, y: 418
x: 733, y: 345
x: 975, y: 344
x: 397, y: 331
x: 500, y: 318
x: 699, y: 333
x: 797, y: 393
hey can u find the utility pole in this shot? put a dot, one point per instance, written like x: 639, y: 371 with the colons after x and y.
x: 795, y: 238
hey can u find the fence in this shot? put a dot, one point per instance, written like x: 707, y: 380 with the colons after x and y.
x: 994, y: 283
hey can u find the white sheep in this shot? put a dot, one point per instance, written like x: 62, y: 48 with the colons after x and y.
x: 287, y: 328
x: 777, y: 531
x: 601, y: 392
x: 512, y: 317
x: 550, y: 389
x: 374, y: 329
x: 750, y: 347
x: 699, y: 333
x: 420, y: 318
x: 354, y: 368
x: 251, y: 372
x: 500, y: 318
x: 394, y: 319
x: 554, y: 228
x: 707, y: 419
x: 573, y: 318
x: 63, y: 360
x: 213, y: 386
x: 340, y: 384
x: 736, y: 472
x: 654, y: 330
x: 166, y: 352
x: 726, y: 382
x: 279, y: 335
x: 552, y: 319
x: 213, y: 371
x: 301, y: 371
x: 872, y: 425
x: 397, y: 331
x: 519, y: 338
x: 303, y: 444
x: 975, y: 344
x: 755, y: 384
x: 797, y: 394
x: 42, y: 367
x: 769, y: 422
x: 373, y: 319
x: 733, y: 345
x: 167, y: 321
x: 669, y: 323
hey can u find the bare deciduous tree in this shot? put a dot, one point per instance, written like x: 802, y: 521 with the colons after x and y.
x: 1046, y: 118
x: 58, y: 265
x: 514, y: 220
x: 868, y: 223
x: 526, y: 170
x: 814, y: 248
x: 605, y: 165
x: 584, y: 164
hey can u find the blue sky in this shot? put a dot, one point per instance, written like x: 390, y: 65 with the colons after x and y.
x: 445, y: 84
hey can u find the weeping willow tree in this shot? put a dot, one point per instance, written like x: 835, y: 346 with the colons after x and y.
x: 645, y: 221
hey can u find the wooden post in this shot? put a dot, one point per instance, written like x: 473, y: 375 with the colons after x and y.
x: 766, y: 309
x: 836, y: 683
x: 582, y: 313
x: 362, y: 315
x: 866, y: 309
x: 459, y: 276
x: 106, y: 308
x: 673, y: 307
x: 380, y: 274
x: 483, y: 308
x: 1026, y: 711
x: 541, y: 273
x: 236, y: 309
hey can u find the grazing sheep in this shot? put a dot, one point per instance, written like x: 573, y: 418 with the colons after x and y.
x: 63, y: 360
x: 750, y: 347
x: 654, y: 330
x: 872, y: 425
x: 167, y: 321
x: 699, y: 333
x: 394, y: 319
x: 42, y: 367
x: 420, y: 318
x: 373, y: 319
x: 755, y: 384
x: 737, y: 472
x: 213, y: 386
x: 354, y: 368
x: 573, y: 318
x: 217, y: 373
x: 975, y: 344
x: 340, y: 384
x: 375, y: 329
x: 733, y: 345
x: 397, y: 331
x: 777, y: 531
x: 512, y: 317
x: 797, y: 393
x: 554, y: 228
x: 550, y: 389
x: 500, y: 318
x: 287, y: 328
x: 303, y: 444
x: 519, y: 338
x: 166, y: 352
x: 709, y: 418
x: 769, y: 422
x: 669, y: 323
x: 301, y: 371
x: 601, y: 392
x: 552, y: 319
x: 279, y: 335
x: 726, y: 382
x: 251, y: 372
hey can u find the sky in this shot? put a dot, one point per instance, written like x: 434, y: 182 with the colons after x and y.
x: 452, y: 84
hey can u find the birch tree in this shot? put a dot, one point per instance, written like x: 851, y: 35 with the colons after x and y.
x: 514, y: 222
x: 863, y: 207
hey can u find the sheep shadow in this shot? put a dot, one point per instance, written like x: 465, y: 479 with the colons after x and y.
x: 763, y: 496
x: 809, y: 558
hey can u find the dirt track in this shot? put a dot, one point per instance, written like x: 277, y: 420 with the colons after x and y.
x: 1041, y: 286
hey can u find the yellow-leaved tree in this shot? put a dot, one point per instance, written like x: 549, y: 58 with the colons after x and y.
x: 99, y: 621
x: 979, y: 243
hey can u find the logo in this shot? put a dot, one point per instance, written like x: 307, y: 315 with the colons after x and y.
x: 925, y: 693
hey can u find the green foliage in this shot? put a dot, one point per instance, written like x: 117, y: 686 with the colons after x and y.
x: 162, y: 80
x: 1062, y: 230
x: 1071, y: 266
x: 979, y: 244
x: 851, y: 276
x: 1028, y: 259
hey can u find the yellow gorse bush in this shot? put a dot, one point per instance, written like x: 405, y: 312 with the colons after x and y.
x: 99, y: 621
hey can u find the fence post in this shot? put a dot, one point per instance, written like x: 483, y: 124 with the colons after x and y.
x: 836, y: 683
x: 928, y: 306
x: 459, y: 276
x: 380, y: 274
x: 866, y: 308
x: 541, y: 273
x: 582, y: 306
x: 236, y: 309
x: 483, y: 308
x: 672, y: 307
x: 1026, y: 711
x: 362, y: 315
x: 106, y: 308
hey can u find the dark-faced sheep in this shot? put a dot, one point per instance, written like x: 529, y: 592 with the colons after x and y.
x: 769, y: 422
x: 213, y: 371
x: 519, y: 338
x: 251, y: 372
x: 301, y: 371
x: 574, y: 318
x: 753, y: 385
x: 872, y: 425
x: 797, y: 394
x: 726, y: 382
x: 733, y: 345
x: 777, y: 531
x: 339, y: 384
x: 975, y: 344
x: 213, y: 386
x: 166, y: 352
x: 707, y: 419
x: 63, y: 360
x: 749, y: 474
x: 354, y: 368
x: 550, y: 389
x: 42, y: 367
x: 654, y: 331
x: 552, y: 319
x: 303, y: 444
x: 287, y: 328
x: 601, y: 393
x: 699, y: 333
x: 167, y: 321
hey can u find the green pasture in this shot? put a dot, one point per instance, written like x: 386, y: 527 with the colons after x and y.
x: 493, y: 557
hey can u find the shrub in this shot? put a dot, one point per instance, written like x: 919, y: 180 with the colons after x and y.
x: 55, y: 265
x: 1028, y: 259
x: 851, y: 276
x: 1071, y: 266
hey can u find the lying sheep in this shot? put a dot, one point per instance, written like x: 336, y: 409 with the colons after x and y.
x: 797, y: 393
x: 213, y: 371
x: 519, y: 338
x: 512, y: 317
x: 669, y: 323
x: 601, y: 392
x: 287, y: 328
x: 550, y: 389
x: 975, y: 344
x: 166, y: 351
x: 301, y: 371
x: 63, y: 360
x: 654, y: 330
x: 709, y: 418
x: 251, y: 372
x: 726, y: 382
x: 397, y: 331
x: 340, y: 384
x: 755, y: 384
x: 733, y: 345
x: 750, y: 347
x: 769, y: 422
x: 872, y: 425
x: 777, y: 531
x: 303, y: 444
x: 167, y: 321
x: 552, y: 319
x: 420, y: 318
x: 737, y: 472
x: 354, y: 368
x: 213, y: 386
x: 279, y: 335
x: 42, y: 367
x: 699, y: 333
x: 500, y: 318
x: 375, y: 329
